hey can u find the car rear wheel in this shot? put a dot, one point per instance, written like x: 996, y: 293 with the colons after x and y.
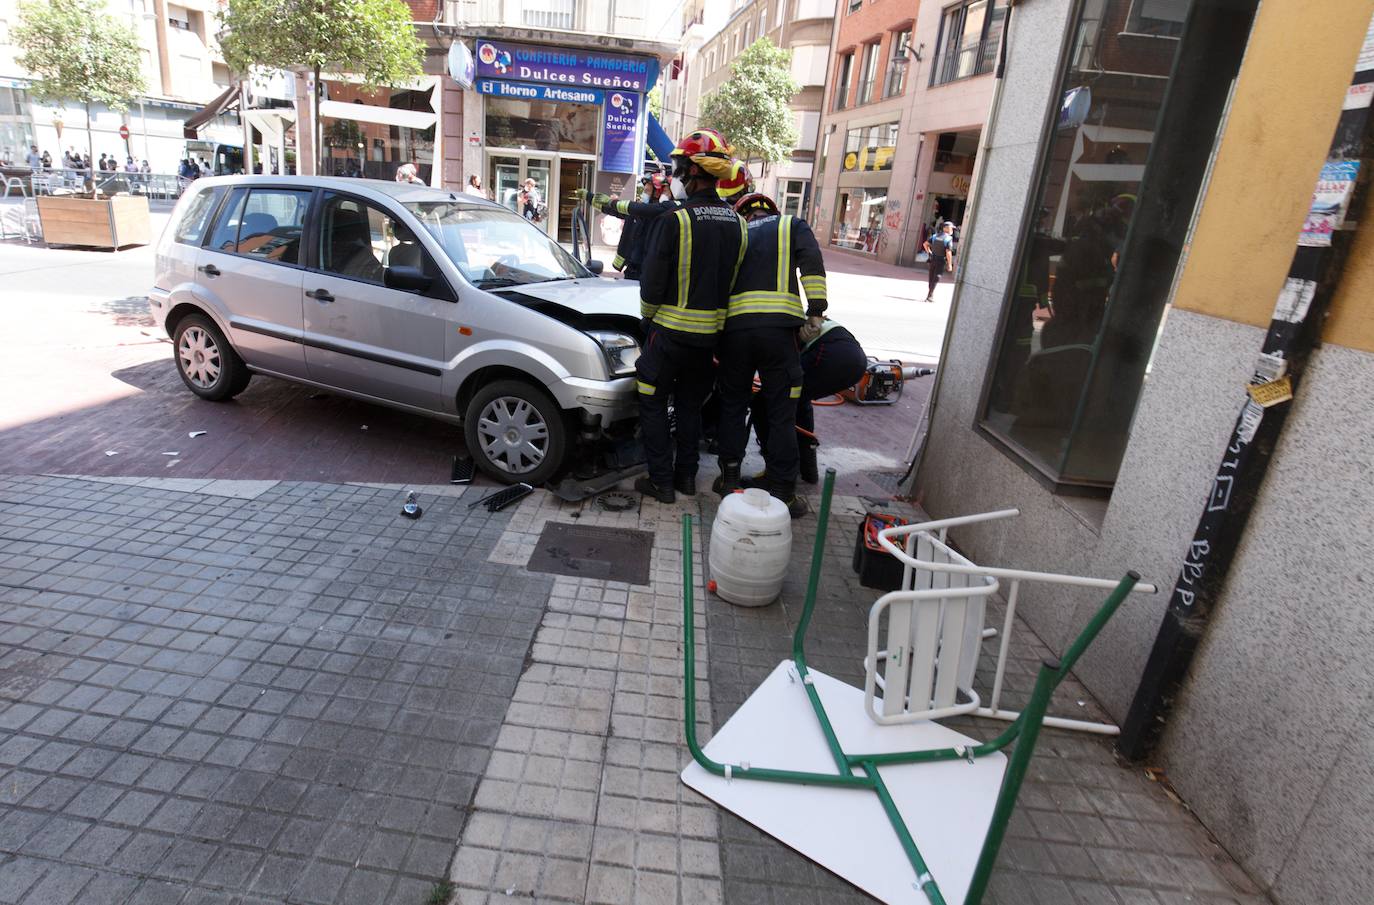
x: 515, y: 432
x: 208, y: 365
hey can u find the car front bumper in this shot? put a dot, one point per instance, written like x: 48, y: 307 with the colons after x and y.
x: 608, y: 401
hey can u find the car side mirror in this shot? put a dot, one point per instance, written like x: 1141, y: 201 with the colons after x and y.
x: 407, y: 279
x: 596, y: 267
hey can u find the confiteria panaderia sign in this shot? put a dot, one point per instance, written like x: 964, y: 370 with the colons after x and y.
x: 563, y: 65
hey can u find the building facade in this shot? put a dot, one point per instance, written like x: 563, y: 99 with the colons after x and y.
x: 1105, y: 329
x: 182, y: 70
x: 909, y: 89
x: 802, y: 26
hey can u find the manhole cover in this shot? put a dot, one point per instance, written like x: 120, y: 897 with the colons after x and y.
x: 586, y: 551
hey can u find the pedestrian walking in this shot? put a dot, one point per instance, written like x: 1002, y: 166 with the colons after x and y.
x: 760, y: 336
x: 33, y: 158
x: 531, y: 203
x: 690, y: 264
x: 939, y: 249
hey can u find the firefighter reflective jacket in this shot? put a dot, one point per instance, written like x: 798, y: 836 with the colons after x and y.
x: 690, y: 264
x: 765, y: 292
x: 629, y: 251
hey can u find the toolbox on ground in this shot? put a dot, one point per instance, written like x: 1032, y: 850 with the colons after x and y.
x: 877, y: 568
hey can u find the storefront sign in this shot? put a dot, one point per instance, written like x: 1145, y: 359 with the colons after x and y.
x: 531, y: 92
x: 622, y: 139
x: 564, y: 66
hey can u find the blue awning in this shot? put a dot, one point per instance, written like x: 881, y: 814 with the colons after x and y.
x: 658, y: 140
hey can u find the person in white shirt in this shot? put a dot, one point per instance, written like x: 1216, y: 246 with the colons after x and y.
x: 474, y: 186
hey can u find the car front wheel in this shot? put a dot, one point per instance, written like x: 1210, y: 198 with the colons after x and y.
x: 515, y: 432
x: 208, y: 365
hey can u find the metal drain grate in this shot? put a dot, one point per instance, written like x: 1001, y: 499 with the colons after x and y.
x: 587, y: 551
x: 616, y: 501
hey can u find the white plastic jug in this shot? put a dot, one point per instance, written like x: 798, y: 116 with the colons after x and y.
x: 751, y: 545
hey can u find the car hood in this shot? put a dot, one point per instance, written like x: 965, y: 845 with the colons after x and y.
x: 587, y: 296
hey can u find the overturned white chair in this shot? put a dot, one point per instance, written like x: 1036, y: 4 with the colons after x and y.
x: 947, y: 798
x: 925, y: 639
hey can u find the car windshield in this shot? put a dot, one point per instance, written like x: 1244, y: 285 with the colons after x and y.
x: 494, y: 247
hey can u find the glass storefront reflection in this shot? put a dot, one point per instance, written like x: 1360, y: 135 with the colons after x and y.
x: 542, y: 125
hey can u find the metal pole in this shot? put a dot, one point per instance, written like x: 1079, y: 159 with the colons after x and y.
x: 1315, y: 272
x: 247, y: 128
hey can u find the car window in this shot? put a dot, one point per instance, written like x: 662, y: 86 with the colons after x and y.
x: 190, y: 229
x: 262, y: 223
x: 273, y: 220
x: 494, y: 247
x: 226, y: 233
x: 360, y: 241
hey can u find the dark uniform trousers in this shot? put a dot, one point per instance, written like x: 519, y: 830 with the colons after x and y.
x: 832, y: 363
x: 773, y: 352
x: 669, y: 368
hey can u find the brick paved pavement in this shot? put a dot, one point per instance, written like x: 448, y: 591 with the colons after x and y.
x: 204, y: 699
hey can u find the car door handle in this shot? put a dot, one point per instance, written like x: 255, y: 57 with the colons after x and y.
x: 320, y: 295
x: 210, y: 270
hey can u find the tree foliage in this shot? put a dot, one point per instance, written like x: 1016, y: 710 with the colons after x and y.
x: 78, y: 52
x: 372, y: 39
x: 752, y: 108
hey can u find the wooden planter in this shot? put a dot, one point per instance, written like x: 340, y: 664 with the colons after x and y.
x: 108, y: 222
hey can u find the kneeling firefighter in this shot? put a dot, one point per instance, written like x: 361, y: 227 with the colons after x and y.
x: 760, y: 335
x: 690, y: 264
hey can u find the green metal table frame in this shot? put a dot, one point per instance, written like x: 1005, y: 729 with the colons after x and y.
x: 1024, y: 731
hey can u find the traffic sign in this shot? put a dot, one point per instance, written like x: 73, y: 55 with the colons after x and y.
x: 124, y: 132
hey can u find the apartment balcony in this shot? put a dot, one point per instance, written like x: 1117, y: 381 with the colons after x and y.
x: 975, y: 58
x: 614, y: 18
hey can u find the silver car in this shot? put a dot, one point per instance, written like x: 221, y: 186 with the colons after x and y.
x: 426, y: 300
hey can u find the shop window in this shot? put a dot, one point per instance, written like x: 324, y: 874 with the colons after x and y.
x: 870, y: 148
x: 859, y: 217
x: 895, y: 82
x: 868, y: 72
x: 1104, y: 233
x: 970, y: 33
x: 842, y: 81
x: 542, y: 125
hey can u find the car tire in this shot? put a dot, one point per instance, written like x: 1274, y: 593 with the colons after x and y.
x: 208, y: 365
x: 515, y: 432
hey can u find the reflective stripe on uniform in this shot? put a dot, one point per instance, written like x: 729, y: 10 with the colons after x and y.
x: 690, y: 320
x: 623, y: 206
x: 648, y: 389
x: 765, y: 301
x: 784, y: 253
x: 743, y: 247
x: 647, y: 309
x: 684, y: 256
x: 794, y: 393
x: 814, y: 287
x: 618, y: 262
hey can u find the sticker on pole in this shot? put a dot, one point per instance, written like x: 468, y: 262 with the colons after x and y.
x: 1271, y: 393
x: 1330, y: 202
x: 1250, y: 418
x: 1294, y: 299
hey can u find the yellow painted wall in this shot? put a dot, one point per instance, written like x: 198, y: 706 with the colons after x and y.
x: 1298, y: 63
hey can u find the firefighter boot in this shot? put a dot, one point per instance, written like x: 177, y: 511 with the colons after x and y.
x: 646, y: 486
x: 684, y: 483
x: 728, y: 482
x: 796, y: 503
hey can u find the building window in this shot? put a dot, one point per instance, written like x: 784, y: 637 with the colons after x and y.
x: 791, y: 196
x: 855, y: 5
x: 969, y: 36
x: 711, y: 61
x: 895, y: 83
x: 1103, y: 237
x: 550, y: 14
x: 1159, y: 18
x: 782, y: 12
x: 763, y: 21
x: 842, y: 82
x: 859, y: 217
x: 868, y: 72
x: 870, y: 148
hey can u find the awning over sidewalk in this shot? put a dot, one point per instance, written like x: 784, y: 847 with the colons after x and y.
x: 198, y: 120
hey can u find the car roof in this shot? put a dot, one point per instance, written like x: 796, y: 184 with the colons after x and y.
x: 400, y: 191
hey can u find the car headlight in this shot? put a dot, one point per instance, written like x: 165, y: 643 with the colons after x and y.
x: 622, y: 350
